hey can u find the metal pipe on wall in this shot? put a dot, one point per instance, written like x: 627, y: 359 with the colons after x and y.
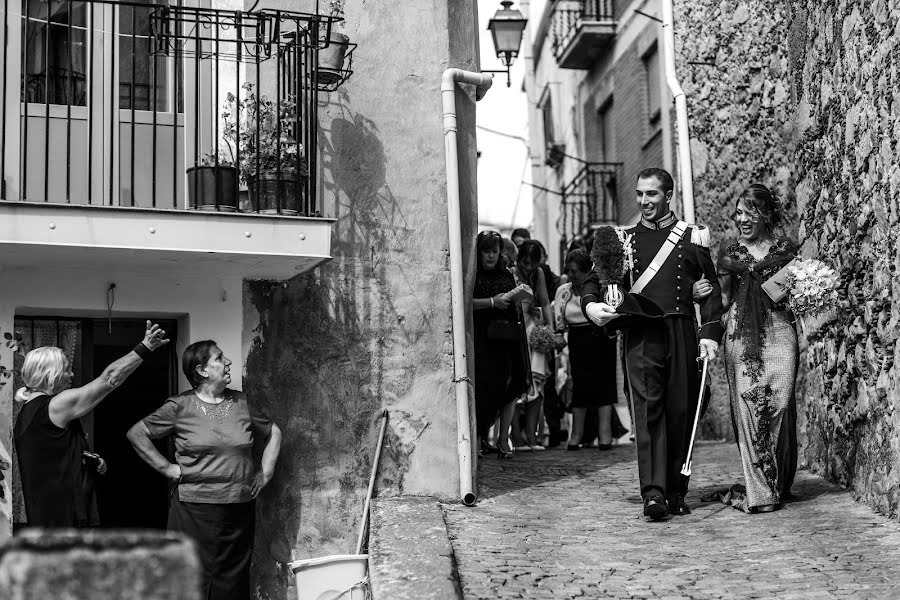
x: 482, y: 83
x: 681, y: 118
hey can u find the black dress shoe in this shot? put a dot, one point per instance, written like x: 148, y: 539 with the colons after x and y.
x: 573, y: 447
x: 655, y: 508
x: 677, y: 506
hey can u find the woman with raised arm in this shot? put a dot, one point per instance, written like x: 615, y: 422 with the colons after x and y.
x: 217, y: 481
x: 54, y: 463
x: 761, y: 350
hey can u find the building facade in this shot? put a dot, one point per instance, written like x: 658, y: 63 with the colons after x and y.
x: 328, y: 292
x: 598, y: 115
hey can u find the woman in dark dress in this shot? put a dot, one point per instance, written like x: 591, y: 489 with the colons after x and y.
x: 52, y: 449
x: 500, y: 373
x: 592, y: 356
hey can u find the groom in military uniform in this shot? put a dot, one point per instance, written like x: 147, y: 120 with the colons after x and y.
x: 661, y: 354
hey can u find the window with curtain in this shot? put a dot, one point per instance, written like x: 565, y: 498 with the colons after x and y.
x: 54, y: 38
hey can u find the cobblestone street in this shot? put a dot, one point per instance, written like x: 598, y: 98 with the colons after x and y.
x: 560, y: 524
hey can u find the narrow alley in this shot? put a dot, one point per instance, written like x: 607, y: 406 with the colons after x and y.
x: 560, y: 524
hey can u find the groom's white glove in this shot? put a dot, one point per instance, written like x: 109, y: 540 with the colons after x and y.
x: 708, y: 348
x: 600, y: 313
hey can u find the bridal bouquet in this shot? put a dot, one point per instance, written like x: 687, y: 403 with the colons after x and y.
x: 812, y: 292
x: 813, y: 286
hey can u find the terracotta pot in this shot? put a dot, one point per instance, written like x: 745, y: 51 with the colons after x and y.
x: 331, y: 57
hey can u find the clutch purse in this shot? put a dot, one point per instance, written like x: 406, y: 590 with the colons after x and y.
x: 775, y: 286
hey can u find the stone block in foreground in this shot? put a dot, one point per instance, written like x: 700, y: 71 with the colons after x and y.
x: 70, y: 564
x: 410, y: 556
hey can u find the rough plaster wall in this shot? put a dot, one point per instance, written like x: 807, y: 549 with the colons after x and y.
x: 846, y: 56
x: 371, y: 329
x: 741, y: 114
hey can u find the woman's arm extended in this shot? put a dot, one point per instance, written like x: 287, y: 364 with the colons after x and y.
x: 269, y: 458
x: 74, y: 403
x: 139, y: 436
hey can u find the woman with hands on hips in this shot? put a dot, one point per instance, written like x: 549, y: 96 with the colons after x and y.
x: 214, y: 429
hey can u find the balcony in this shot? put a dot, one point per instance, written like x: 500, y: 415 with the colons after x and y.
x: 588, y: 201
x: 142, y: 133
x: 581, y: 30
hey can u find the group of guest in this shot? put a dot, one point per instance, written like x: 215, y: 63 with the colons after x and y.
x: 515, y: 383
x: 214, y: 475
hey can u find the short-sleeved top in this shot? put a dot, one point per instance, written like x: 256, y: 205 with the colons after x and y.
x: 51, y: 467
x: 213, y: 444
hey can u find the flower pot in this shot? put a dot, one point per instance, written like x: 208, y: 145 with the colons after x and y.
x: 331, y: 57
x: 266, y: 188
x: 213, y: 188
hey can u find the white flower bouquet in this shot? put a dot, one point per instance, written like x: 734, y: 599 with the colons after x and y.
x: 812, y: 292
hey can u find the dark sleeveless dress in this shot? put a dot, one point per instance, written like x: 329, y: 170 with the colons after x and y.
x: 57, y: 490
x: 500, y: 372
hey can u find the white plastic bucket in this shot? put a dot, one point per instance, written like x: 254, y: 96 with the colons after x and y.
x: 336, y: 577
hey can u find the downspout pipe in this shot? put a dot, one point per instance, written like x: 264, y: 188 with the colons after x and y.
x: 482, y: 82
x: 681, y: 115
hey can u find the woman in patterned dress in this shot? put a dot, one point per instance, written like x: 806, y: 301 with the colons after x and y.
x: 760, y: 351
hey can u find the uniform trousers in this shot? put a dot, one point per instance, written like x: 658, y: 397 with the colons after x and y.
x: 661, y: 361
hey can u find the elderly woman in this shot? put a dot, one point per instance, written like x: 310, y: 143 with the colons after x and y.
x: 55, y: 465
x: 214, y: 429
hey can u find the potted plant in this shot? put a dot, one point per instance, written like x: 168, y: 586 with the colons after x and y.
x: 259, y: 133
x: 213, y: 186
x: 331, y: 57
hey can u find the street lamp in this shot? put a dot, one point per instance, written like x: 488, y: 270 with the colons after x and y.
x: 506, y: 28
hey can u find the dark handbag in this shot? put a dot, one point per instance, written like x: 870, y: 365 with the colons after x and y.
x: 505, y: 331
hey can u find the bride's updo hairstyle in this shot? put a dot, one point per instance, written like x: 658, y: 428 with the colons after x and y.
x: 761, y: 199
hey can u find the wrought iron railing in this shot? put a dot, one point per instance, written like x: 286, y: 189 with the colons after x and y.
x: 588, y: 200
x: 128, y: 103
x: 569, y: 14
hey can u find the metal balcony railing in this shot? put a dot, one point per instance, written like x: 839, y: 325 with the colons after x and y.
x: 568, y: 16
x: 588, y: 200
x: 160, y: 105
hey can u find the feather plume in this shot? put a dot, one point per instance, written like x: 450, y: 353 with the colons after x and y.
x: 608, y: 256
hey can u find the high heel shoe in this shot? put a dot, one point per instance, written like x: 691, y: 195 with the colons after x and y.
x: 503, y: 454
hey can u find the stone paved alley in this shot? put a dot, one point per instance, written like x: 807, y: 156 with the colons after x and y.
x: 563, y: 524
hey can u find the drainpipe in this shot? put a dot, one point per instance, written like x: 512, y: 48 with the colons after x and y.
x: 681, y: 118
x: 482, y: 81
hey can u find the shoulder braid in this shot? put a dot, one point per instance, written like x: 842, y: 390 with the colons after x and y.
x: 699, y: 235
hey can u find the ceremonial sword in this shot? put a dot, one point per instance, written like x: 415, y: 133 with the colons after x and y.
x: 686, y: 468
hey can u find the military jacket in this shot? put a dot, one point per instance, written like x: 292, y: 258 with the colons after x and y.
x: 672, y: 286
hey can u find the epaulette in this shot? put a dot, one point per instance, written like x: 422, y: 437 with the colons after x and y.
x: 699, y: 235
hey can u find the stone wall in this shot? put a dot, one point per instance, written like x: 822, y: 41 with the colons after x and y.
x: 741, y: 118
x: 371, y: 329
x: 845, y: 61
x: 802, y: 96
